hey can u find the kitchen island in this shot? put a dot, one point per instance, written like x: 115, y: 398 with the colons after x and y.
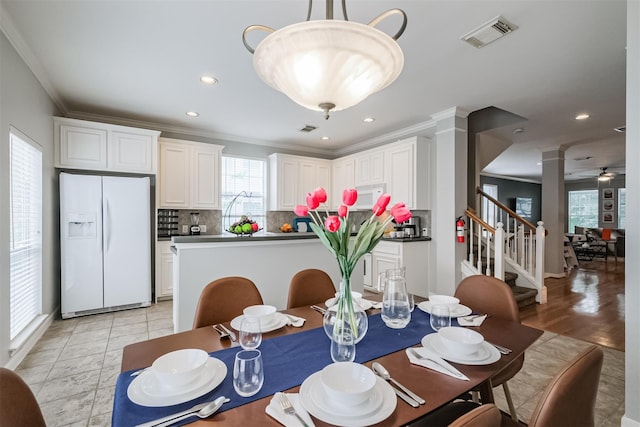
x: 268, y: 259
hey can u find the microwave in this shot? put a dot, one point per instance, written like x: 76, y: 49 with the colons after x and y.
x: 368, y: 195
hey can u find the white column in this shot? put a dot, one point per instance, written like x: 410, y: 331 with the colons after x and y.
x: 449, y: 199
x: 553, y: 210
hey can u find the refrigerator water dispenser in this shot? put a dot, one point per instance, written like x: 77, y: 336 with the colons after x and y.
x: 81, y: 226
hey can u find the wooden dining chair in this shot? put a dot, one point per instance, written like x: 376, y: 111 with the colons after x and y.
x: 224, y: 299
x: 18, y: 405
x: 483, y: 416
x: 492, y: 296
x: 310, y: 286
x: 570, y: 398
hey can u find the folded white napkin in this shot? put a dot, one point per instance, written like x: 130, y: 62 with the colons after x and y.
x: 472, y: 320
x: 374, y: 304
x: 435, y: 363
x: 294, y: 321
x: 274, y: 409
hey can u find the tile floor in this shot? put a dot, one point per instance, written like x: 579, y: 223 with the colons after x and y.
x: 73, y: 368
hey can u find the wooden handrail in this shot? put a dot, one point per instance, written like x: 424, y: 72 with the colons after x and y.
x: 509, y: 211
x: 471, y: 214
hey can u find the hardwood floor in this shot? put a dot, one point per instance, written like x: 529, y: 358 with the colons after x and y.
x: 587, y: 305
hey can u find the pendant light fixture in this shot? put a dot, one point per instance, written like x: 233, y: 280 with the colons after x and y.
x: 328, y: 65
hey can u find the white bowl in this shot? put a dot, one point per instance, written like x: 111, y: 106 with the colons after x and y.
x: 347, y: 383
x: 179, y: 368
x: 460, y: 341
x: 266, y: 313
x: 451, y: 302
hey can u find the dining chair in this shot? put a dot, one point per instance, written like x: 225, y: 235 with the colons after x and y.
x: 310, y: 286
x: 224, y: 299
x: 18, y: 405
x: 461, y: 414
x: 492, y: 296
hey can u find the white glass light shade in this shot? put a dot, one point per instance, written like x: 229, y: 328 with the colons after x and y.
x: 327, y: 61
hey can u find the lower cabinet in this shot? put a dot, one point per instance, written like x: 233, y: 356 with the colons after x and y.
x: 164, y: 270
x: 414, y: 256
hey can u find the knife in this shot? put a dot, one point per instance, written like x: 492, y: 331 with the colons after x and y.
x: 319, y: 309
x: 440, y: 362
x: 230, y: 332
x: 171, y: 417
x: 406, y: 397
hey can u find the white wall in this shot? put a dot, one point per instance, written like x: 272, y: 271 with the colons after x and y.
x: 26, y: 106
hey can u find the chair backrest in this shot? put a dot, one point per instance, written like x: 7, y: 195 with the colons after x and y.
x: 606, y: 234
x: 489, y: 295
x: 18, y: 405
x: 570, y: 398
x: 223, y: 299
x: 309, y: 287
x: 483, y: 416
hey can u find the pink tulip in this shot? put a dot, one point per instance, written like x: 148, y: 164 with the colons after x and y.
x: 301, y: 210
x: 320, y: 194
x: 349, y: 196
x: 312, y: 201
x: 400, y: 212
x: 377, y: 210
x: 383, y: 201
x: 332, y: 223
x: 342, y: 211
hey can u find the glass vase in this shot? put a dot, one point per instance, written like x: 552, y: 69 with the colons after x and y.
x: 345, y: 322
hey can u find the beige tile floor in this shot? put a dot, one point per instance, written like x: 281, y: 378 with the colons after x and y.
x: 73, y: 368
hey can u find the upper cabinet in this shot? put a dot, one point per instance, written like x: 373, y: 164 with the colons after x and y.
x: 189, y: 175
x: 343, y: 176
x: 81, y: 144
x: 292, y: 177
x: 369, y: 167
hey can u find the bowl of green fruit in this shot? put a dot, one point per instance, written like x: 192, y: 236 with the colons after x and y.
x: 244, y: 227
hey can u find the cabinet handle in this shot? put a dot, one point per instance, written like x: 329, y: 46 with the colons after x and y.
x: 364, y: 262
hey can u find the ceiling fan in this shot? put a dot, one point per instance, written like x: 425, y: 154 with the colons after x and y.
x: 605, y: 176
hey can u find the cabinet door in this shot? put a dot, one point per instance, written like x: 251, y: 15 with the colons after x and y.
x: 308, y: 178
x: 83, y: 148
x: 174, y: 176
x: 131, y: 152
x: 369, y: 168
x: 288, y: 185
x: 166, y: 275
x: 324, y: 179
x: 382, y: 263
x: 205, y: 185
x: 401, y: 177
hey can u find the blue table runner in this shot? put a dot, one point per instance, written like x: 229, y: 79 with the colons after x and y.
x: 288, y: 361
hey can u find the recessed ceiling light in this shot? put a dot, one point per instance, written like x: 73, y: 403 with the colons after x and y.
x: 325, y: 138
x: 368, y: 120
x: 582, y: 116
x: 192, y: 113
x: 208, y: 80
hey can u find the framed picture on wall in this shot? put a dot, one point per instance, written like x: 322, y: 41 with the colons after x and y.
x: 607, y: 193
x: 607, y: 205
x: 607, y: 217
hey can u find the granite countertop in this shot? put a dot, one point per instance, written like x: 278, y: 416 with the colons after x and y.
x: 262, y: 235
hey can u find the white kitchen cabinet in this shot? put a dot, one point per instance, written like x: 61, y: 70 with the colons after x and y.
x: 164, y: 270
x: 81, y: 144
x: 343, y: 176
x: 292, y: 177
x: 414, y: 256
x: 189, y: 176
x: 369, y: 167
x: 409, y: 173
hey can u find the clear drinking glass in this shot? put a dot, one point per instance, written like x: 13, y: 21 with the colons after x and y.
x: 440, y: 316
x: 343, y: 346
x: 248, y: 372
x: 250, y: 334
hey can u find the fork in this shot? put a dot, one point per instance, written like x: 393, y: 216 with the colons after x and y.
x: 288, y: 408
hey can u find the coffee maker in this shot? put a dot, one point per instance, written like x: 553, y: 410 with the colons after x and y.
x: 412, y: 227
x: 194, y: 230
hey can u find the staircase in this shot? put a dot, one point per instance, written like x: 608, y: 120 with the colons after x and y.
x: 512, y: 250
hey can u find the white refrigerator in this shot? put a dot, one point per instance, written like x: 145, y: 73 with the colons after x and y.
x: 105, y: 239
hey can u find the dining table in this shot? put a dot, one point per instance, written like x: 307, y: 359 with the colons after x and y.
x: 385, y: 345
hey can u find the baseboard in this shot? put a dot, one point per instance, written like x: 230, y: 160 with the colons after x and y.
x: 628, y: 422
x: 18, y: 355
x: 555, y: 275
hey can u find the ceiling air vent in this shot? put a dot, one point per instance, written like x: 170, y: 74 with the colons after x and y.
x: 308, y: 128
x: 489, y: 32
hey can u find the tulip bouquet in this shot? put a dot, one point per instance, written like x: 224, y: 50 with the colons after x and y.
x: 334, y: 232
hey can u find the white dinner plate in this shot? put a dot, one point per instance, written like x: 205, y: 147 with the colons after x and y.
x: 365, y: 304
x: 459, y: 311
x: 312, y: 388
x: 280, y: 321
x: 145, y: 389
x: 485, y: 356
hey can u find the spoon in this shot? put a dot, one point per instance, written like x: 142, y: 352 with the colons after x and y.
x: 205, y: 412
x: 385, y: 375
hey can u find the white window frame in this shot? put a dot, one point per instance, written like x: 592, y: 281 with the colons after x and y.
x: 243, y: 195
x: 489, y: 211
x: 622, y: 208
x: 25, y: 237
x: 594, y: 193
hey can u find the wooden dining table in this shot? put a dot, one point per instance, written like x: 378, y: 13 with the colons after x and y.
x: 437, y: 389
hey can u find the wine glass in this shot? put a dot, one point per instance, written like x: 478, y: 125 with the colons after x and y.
x: 440, y: 316
x: 250, y: 334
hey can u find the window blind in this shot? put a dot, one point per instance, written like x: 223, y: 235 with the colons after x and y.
x: 25, y: 241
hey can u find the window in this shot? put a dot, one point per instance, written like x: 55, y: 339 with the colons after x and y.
x: 243, y: 190
x: 488, y: 208
x: 622, y: 208
x: 25, y: 237
x: 583, y: 209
